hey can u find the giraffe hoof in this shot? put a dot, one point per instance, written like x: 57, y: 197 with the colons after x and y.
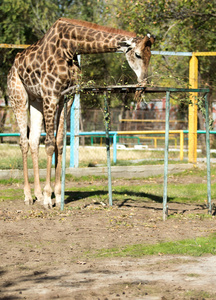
x: 58, y: 200
x: 28, y: 202
x: 58, y: 204
x: 39, y: 199
x: 47, y: 206
x: 39, y: 202
x: 47, y: 201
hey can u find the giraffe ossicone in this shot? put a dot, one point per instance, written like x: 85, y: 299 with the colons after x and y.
x: 42, y: 71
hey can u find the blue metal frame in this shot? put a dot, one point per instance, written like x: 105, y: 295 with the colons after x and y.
x: 74, y: 132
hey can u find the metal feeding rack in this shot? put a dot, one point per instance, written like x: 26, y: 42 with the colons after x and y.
x: 108, y: 90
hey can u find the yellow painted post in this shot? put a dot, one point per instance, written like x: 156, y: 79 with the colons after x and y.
x: 181, y: 145
x: 192, y: 120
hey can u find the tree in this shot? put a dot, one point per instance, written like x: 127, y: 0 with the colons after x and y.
x: 180, y: 25
x: 26, y: 21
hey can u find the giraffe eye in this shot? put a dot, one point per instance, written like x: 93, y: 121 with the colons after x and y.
x: 138, y: 55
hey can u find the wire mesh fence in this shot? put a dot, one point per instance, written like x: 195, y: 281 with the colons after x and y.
x: 132, y: 147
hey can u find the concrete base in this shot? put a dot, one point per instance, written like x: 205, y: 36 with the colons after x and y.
x: 118, y: 171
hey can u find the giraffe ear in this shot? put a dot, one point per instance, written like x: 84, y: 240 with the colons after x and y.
x: 151, y: 39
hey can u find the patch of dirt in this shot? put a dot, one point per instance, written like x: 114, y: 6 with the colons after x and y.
x: 47, y: 254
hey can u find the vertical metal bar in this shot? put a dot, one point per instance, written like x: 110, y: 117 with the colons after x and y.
x: 74, y: 132
x: 77, y: 118
x: 181, y: 145
x: 64, y: 154
x: 107, y: 119
x: 74, y: 128
x: 208, y: 156
x: 53, y: 159
x: 166, y: 149
x: 115, y: 147
x: 192, y: 116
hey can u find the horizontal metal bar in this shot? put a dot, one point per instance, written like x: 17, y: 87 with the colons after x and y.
x: 151, y: 120
x: 204, y: 53
x: 201, y: 131
x: 168, y: 53
x: 14, y: 46
x: 92, y: 133
x: 129, y: 88
x: 172, y: 53
x: 95, y: 133
x: 147, y: 132
x: 10, y: 134
x: 187, y: 90
x: 68, y: 133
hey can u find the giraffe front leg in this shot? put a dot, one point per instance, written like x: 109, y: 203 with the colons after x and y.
x: 58, y: 177
x: 58, y: 157
x: 49, y: 145
x: 27, y: 189
x: 49, y: 110
x: 47, y: 189
x: 34, y: 139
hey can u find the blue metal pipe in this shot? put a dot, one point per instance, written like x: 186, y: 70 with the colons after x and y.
x: 172, y: 53
x: 115, y: 148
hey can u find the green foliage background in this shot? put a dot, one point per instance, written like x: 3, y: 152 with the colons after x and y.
x: 179, y: 25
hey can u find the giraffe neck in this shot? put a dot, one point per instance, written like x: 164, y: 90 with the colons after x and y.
x: 83, y: 38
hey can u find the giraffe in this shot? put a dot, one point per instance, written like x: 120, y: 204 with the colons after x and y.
x: 42, y: 71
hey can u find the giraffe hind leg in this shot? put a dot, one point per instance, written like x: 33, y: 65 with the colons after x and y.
x: 49, y: 109
x: 19, y: 100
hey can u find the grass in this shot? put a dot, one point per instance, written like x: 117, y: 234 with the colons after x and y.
x: 181, y: 193
x: 192, y: 247
x: 84, y: 178
x: 11, y: 157
x: 151, y: 190
x: 197, y: 172
x: 11, y: 194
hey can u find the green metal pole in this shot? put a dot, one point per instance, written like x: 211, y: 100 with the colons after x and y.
x: 166, y: 149
x: 64, y: 154
x: 208, y: 157
x: 107, y: 119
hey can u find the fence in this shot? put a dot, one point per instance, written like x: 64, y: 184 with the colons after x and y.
x: 131, y: 147
x: 141, y: 150
x: 139, y: 127
x: 133, y: 88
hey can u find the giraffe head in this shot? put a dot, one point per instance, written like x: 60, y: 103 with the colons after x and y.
x: 138, y: 53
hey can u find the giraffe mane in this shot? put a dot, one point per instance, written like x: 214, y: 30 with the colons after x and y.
x: 99, y: 27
